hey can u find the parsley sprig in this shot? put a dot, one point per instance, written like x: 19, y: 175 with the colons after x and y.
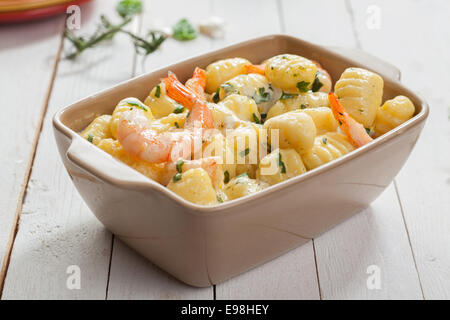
x: 106, y: 30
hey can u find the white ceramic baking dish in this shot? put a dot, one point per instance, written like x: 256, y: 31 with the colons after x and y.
x: 206, y: 245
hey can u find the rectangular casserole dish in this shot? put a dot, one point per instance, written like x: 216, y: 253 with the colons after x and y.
x: 201, y: 245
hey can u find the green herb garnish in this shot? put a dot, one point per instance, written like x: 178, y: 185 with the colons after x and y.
x: 216, y: 96
x: 324, y: 140
x: 180, y: 165
x: 303, y: 106
x: 316, y: 85
x: 303, y: 86
x: 183, y: 30
x: 256, y: 119
x: 286, y: 96
x: 128, y: 8
x: 90, y: 138
x: 137, y: 105
x: 229, y: 88
x: 261, y: 95
x: 219, y: 199
x: 178, y: 109
x: 226, y: 177
x: 177, y: 177
x: 177, y: 125
x: 281, y: 164
x: 367, y: 130
x: 158, y: 91
x: 245, y: 152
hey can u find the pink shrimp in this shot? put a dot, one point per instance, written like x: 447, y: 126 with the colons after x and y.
x: 198, y: 82
x: 355, y: 131
x: 256, y: 68
x: 141, y: 141
x: 209, y: 164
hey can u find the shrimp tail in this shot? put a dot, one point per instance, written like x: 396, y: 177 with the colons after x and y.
x: 180, y: 93
x: 256, y: 68
x: 355, y: 131
x: 198, y: 82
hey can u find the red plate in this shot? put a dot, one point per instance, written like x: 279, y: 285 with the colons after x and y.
x: 26, y: 15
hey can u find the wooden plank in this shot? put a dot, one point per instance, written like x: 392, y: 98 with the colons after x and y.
x: 56, y: 228
x: 377, y: 235
x: 21, y: 118
x: 132, y: 276
x: 371, y: 244
x: 420, y: 50
x: 292, y: 276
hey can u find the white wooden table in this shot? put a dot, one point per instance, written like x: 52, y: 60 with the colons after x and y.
x: 45, y: 227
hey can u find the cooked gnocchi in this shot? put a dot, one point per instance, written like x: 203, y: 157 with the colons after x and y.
x: 237, y: 128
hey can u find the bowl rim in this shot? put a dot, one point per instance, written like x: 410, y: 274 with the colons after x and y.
x: 149, y: 184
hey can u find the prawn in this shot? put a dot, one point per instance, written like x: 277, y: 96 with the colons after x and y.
x: 209, y: 164
x: 198, y: 82
x: 143, y: 142
x: 354, y: 131
x: 256, y: 68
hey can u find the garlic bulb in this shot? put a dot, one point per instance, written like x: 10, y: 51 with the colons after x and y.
x: 213, y: 27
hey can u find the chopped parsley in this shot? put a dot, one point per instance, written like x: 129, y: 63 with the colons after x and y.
x: 340, y: 122
x: 281, y: 164
x: 183, y: 30
x: 316, y: 85
x: 219, y: 199
x: 178, y: 109
x: 226, y: 177
x: 137, y: 105
x: 90, y: 138
x: 180, y: 165
x: 216, y: 96
x: 177, y: 177
x: 303, y: 86
x: 245, y: 152
x: 177, y: 125
x: 324, y: 140
x: 303, y: 106
x: 158, y: 91
x: 229, y: 88
x: 285, y: 96
x: 261, y: 95
x: 367, y: 130
x: 256, y: 119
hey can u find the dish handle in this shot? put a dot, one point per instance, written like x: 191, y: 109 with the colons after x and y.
x: 364, y: 58
x: 87, y: 157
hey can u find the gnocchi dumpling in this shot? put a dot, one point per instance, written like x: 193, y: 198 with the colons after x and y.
x: 223, y: 70
x: 114, y: 148
x: 327, y: 147
x: 254, y: 86
x: 98, y: 129
x: 127, y: 104
x: 392, y: 114
x: 290, y: 102
x: 241, y: 186
x: 323, y: 119
x: 360, y: 92
x: 160, y: 104
x: 243, y: 107
x: 295, y: 129
x: 280, y: 165
x: 195, y: 186
x: 290, y: 72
